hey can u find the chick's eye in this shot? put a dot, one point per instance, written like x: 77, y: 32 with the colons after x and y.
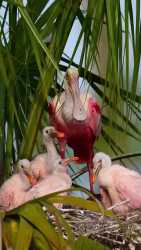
x: 46, y: 131
x: 60, y: 162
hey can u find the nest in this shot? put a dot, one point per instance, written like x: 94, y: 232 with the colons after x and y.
x: 116, y: 233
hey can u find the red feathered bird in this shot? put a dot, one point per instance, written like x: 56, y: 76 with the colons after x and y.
x: 79, y: 117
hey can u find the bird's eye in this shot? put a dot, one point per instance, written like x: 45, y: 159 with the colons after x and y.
x: 99, y: 161
x: 60, y: 162
x: 22, y: 166
x: 46, y: 131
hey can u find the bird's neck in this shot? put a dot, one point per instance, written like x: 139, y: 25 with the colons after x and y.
x: 51, y: 149
x: 61, y: 170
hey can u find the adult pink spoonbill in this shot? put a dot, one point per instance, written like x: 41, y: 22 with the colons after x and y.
x: 79, y: 118
x: 120, y: 188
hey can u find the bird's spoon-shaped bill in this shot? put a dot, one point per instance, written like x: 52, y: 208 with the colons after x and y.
x: 70, y: 159
x: 59, y: 134
x: 32, y: 180
x: 97, y: 168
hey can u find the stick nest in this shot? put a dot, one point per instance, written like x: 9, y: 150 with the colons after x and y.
x: 116, y: 233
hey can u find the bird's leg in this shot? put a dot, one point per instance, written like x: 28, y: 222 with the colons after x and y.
x: 90, y: 169
x: 70, y: 159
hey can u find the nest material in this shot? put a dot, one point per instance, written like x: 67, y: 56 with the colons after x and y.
x: 117, y: 233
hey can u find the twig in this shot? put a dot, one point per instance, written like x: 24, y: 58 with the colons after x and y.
x: 118, y: 204
x: 112, y: 231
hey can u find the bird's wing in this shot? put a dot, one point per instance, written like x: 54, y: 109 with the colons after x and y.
x: 6, y: 200
x: 55, y: 105
x: 55, y: 112
x: 95, y: 124
x: 94, y: 115
x: 129, y: 187
x: 98, y: 126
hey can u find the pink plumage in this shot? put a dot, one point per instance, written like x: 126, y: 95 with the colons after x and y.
x: 44, y: 164
x: 13, y: 191
x: 79, y: 118
x: 118, y: 184
x: 57, y: 180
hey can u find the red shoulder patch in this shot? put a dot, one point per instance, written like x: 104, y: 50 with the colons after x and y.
x: 51, y: 108
x: 97, y: 108
x: 94, y: 105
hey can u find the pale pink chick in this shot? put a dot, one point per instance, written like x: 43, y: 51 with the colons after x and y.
x: 42, y: 164
x: 12, y: 192
x: 119, y: 186
x: 58, y: 180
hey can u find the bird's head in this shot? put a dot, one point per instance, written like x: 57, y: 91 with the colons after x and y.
x: 72, y: 83
x: 51, y: 132
x: 72, y: 89
x: 24, y: 168
x: 72, y: 76
x: 100, y: 160
x: 23, y: 164
x: 63, y: 163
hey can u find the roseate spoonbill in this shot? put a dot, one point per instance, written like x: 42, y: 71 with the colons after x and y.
x: 120, y: 188
x: 57, y: 180
x: 79, y: 118
x: 43, y: 164
x: 13, y: 190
